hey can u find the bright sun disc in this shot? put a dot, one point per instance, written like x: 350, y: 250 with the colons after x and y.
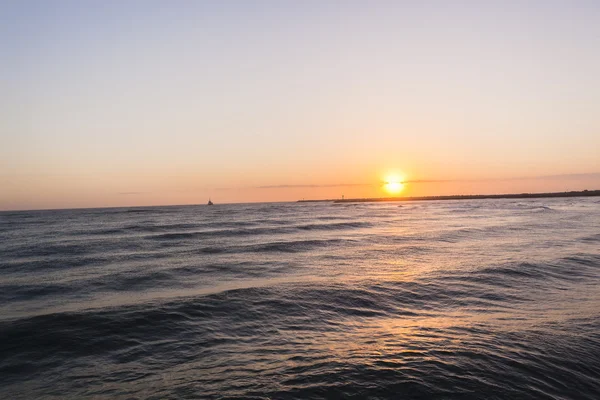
x: 393, y: 186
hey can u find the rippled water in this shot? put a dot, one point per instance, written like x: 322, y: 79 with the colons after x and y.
x: 463, y: 299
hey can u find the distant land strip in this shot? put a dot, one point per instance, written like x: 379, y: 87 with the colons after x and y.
x: 583, y: 193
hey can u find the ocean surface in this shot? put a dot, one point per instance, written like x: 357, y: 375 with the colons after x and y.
x: 482, y: 299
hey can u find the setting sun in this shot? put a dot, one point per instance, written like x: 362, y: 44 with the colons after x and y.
x: 393, y: 185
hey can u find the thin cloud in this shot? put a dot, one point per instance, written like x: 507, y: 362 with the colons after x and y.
x: 425, y: 181
x: 345, y: 184
x: 429, y: 181
x: 591, y: 175
x: 313, y: 186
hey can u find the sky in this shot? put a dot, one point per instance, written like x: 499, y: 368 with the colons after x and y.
x: 122, y: 103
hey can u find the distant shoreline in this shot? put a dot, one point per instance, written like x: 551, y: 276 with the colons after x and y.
x: 582, y: 193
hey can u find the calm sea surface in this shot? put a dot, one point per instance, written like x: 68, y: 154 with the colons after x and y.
x: 432, y: 300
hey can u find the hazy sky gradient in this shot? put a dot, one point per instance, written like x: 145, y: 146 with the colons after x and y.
x: 107, y: 103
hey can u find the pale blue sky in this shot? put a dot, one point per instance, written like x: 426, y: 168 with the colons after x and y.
x: 167, y: 97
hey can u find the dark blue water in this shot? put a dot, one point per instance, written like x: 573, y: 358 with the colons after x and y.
x: 429, y: 300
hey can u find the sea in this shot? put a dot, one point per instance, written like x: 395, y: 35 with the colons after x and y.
x: 474, y: 299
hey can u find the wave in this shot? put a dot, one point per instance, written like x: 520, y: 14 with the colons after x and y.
x: 11, y: 292
x: 291, y: 246
x: 177, y: 236
x: 307, y: 339
x: 154, y: 228
x: 544, y: 209
x: 74, y: 253
x: 153, y: 210
x: 334, y: 226
x: 294, y: 246
x: 568, y: 269
x: 534, y: 207
x: 591, y: 238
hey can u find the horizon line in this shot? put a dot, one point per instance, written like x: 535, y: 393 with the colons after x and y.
x: 373, y: 199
